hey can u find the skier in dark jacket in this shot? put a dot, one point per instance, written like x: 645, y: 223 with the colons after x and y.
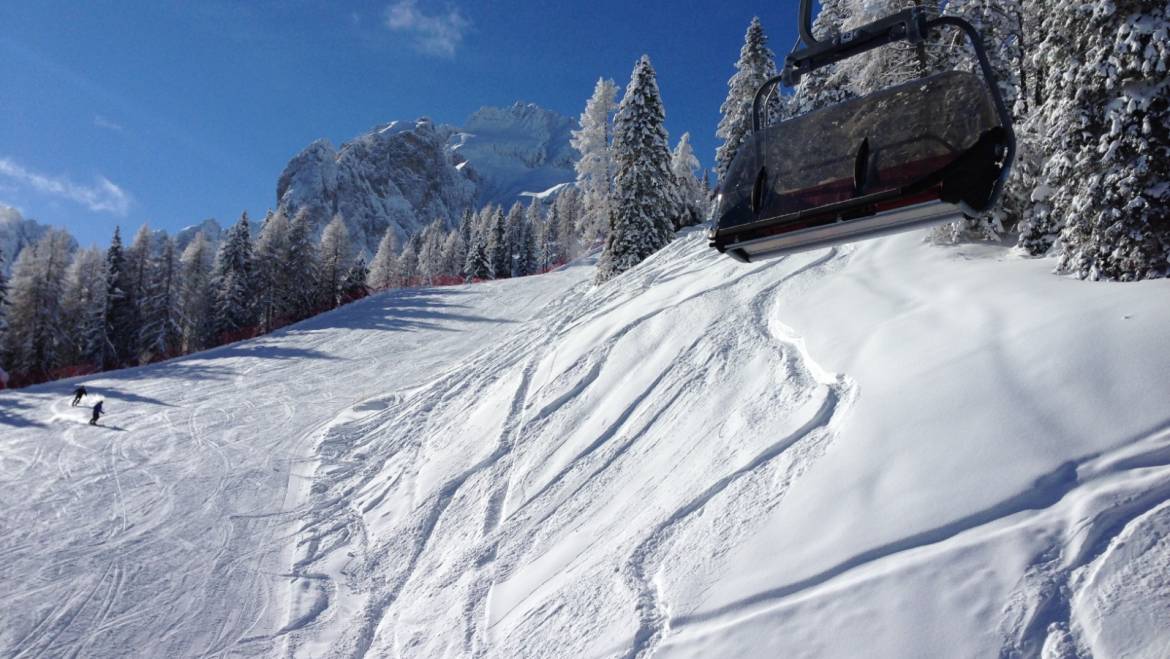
x: 78, y: 394
x: 97, y: 413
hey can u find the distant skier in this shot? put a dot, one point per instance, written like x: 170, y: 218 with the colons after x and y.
x: 78, y: 394
x: 97, y: 413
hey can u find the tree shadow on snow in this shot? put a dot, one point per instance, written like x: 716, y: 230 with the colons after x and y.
x: 192, y: 367
x: 401, y: 310
x: 261, y: 350
x: 121, y: 395
x: 9, y: 415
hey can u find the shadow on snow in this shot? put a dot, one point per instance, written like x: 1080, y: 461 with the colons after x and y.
x: 400, y: 310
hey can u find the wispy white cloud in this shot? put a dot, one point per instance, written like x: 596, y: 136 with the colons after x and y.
x: 101, y: 197
x: 434, y: 34
x: 108, y: 124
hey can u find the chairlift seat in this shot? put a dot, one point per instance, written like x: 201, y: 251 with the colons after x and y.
x: 920, y: 153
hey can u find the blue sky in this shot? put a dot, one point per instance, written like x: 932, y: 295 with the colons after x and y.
x: 166, y: 112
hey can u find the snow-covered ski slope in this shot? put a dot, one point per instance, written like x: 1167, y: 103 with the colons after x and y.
x: 887, y: 449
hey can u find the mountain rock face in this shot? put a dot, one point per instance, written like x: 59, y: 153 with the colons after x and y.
x: 210, y: 229
x: 516, y: 150
x: 404, y: 175
x: 16, y: 233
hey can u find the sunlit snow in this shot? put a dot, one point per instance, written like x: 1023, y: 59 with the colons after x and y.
x: 887, y: 449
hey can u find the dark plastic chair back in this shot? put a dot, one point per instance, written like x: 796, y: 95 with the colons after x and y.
x: 882, y: 142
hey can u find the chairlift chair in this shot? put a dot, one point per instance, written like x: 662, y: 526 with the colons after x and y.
x: 917, y: 154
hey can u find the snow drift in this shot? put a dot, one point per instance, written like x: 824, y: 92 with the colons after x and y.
x: 885, y: 449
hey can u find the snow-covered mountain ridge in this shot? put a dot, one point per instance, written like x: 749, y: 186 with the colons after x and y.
x: 403, y: 175
x: 886, y: 449
x: 16, y: 233
x: 516, y: 150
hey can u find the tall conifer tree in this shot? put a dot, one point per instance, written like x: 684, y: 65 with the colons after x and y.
x: 756, y: 64
x: 274, y: 297
x: 37, y: 339
x: 196, y: 296
x: 161, y: 333
x: 827, y: 85
x: 121, y: 319
x: 84, y: 306
x: 499, y: 253
x: 234, y: 284
x: 3, y: 299
x: 336, y: 258
x: 595, y: 169
x: 691, y: 198
x: 646, y: 191
x: 303, y: 266
x: 382, y: 268
x: 1114, y: 205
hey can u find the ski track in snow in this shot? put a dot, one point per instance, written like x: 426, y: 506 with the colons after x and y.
x: 165, y: 531
x: 537, y: 467
x: 531, y: 399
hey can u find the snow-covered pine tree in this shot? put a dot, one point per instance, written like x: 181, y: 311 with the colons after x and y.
x: 756, y: 64
x: 1115, y: 209
x: 234, y: 285
x: 336, y: 257
x: 442, y: 263
x: 526, y: 248
x: 498, y: 251
x: 3, y: 301
x: 84, y: 305
x: 139, y: 256
x: 415, y: 243
x: 382, y: 268
x: 481, y: 223
x: 477, y: 265
x: 514, y: 232
x: 430, y: 256
x: 1000, y: 23
x: 646, y: 191
x: 466, y: 225
x: 195, y: 295
x: 302, y: 267
x: 271, y: 254
x: 1017, y: 207
x: 826, y: 86
x: 36, y: 338
x: 466, y: 231
x: 549, y: 253
x: 454, y: 254
x: 692, y: 201
x: 121, y: 318
x: 406, y: 270
x: 570, y: 211
x: 354, y: 285
x: 1054, y: 126
x: 162, y: 333
x: 595, y: 170
x: 895, y: 63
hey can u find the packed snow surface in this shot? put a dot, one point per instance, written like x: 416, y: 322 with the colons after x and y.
x: 885, y: 450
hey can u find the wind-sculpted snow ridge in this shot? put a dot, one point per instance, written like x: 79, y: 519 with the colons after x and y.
x: 888, y: 449
x: 666, y: 466
x: 469, y: 493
